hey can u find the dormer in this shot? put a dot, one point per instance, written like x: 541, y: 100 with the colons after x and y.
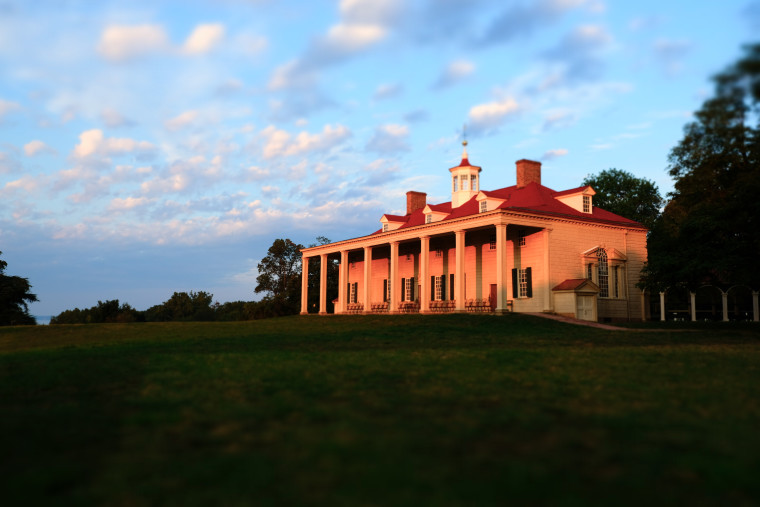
x: 580, y: 199
x: 488, y: 202
x: 465, y: 180
x: 434, y: 214
x: 392, y: 222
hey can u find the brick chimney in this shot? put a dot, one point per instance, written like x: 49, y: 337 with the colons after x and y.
x: 415, y: 201
x: 528, y: 171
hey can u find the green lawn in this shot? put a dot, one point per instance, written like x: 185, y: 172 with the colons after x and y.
x: 391, y: 410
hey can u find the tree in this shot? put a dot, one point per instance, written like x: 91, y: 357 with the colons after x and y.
x: 710, y: 230
x: 622, y: 193
x: 183, y: 306
x: 280, y: 274
x: 15, y: 297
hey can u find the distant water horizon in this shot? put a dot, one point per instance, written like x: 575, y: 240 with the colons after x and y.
x: 43, y: 320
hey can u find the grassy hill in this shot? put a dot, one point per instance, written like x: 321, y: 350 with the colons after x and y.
x: 392, y: 410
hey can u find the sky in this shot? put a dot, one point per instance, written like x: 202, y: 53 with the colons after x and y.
x: 148, y: 147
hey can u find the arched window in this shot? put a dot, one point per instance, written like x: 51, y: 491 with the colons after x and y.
x: 602, y: 273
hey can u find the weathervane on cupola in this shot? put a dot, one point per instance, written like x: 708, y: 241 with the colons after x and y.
x: 465, y: 178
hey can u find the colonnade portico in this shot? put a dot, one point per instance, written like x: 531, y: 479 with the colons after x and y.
x: 422, y: 288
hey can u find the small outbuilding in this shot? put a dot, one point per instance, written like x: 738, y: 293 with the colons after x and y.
x: 576, y: 298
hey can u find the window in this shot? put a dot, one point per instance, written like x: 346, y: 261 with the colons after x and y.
x: 408, y: 289
x: 587, y: 204
x: 483, y: 206
x: 439, y: 253
x: 408, y: 257
x: 602, y: 274
x: 492, y: 242
x: 438, y: 288
x: 473, y: 182
x: 385, y: 227
x: 589, y: 271
x: 352, y: 292
x: 454, y: 187
x: 521, y: 235
x: 429, y: 218
x: 522, y: 283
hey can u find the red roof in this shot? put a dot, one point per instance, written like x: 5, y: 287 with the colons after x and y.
x: 532, y: 198
x: 572, y: 284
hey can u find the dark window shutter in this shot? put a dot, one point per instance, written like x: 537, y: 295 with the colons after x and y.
x: 403, y: 288
x: 385, y: 290
x: 411, y: 282
x: 348, y: 293
x: 443, y: 287
x: 514, y: 284
x: 432, y: 288
x: 451, y: 287
x: 529, y: 276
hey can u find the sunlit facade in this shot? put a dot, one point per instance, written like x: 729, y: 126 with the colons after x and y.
x: 522, y: 248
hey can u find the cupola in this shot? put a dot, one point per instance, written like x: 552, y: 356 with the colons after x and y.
x: 465, y: 180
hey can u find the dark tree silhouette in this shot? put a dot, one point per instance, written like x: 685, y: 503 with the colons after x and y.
x: 709, y: 232
x: 626, y: 195
x: 15, y: 297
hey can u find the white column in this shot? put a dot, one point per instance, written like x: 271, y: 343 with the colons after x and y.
x: 755, y: 307
x: 501, y: 268
x: 342, y: 281
x: 304, y: 285
x: 394, y: 281
x: 662, y: 306
x: 548, y: 306
x: 693, y: 296
x: 367, y: 279
x: 459, y: 275
x: 425, y: 274
x: 725, y: 306
x: 323, y: 284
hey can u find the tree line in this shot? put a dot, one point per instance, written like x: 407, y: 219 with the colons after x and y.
x: 279, y: 280
x: 180, y: 307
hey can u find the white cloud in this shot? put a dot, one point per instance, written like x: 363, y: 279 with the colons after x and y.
x: 557, y: 119
x: 121, y: 43
x: 7, y: 106
x: 370, y: 11
x: 492, y: 114
x: 26, y: 183
x: 94, y: 143
x: 204, y: 39
x: 127, y: 204
x: 113, y: 119
x: 552, y: 154
x: 36, y: 147
x: 363, y: 24
x: 352, y: 37
x: 181, y: 121
x: 386, y: 91
x: 454, y: 72
x: 292, y: 75
x: 280, y: 142
x: 389, y: 139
